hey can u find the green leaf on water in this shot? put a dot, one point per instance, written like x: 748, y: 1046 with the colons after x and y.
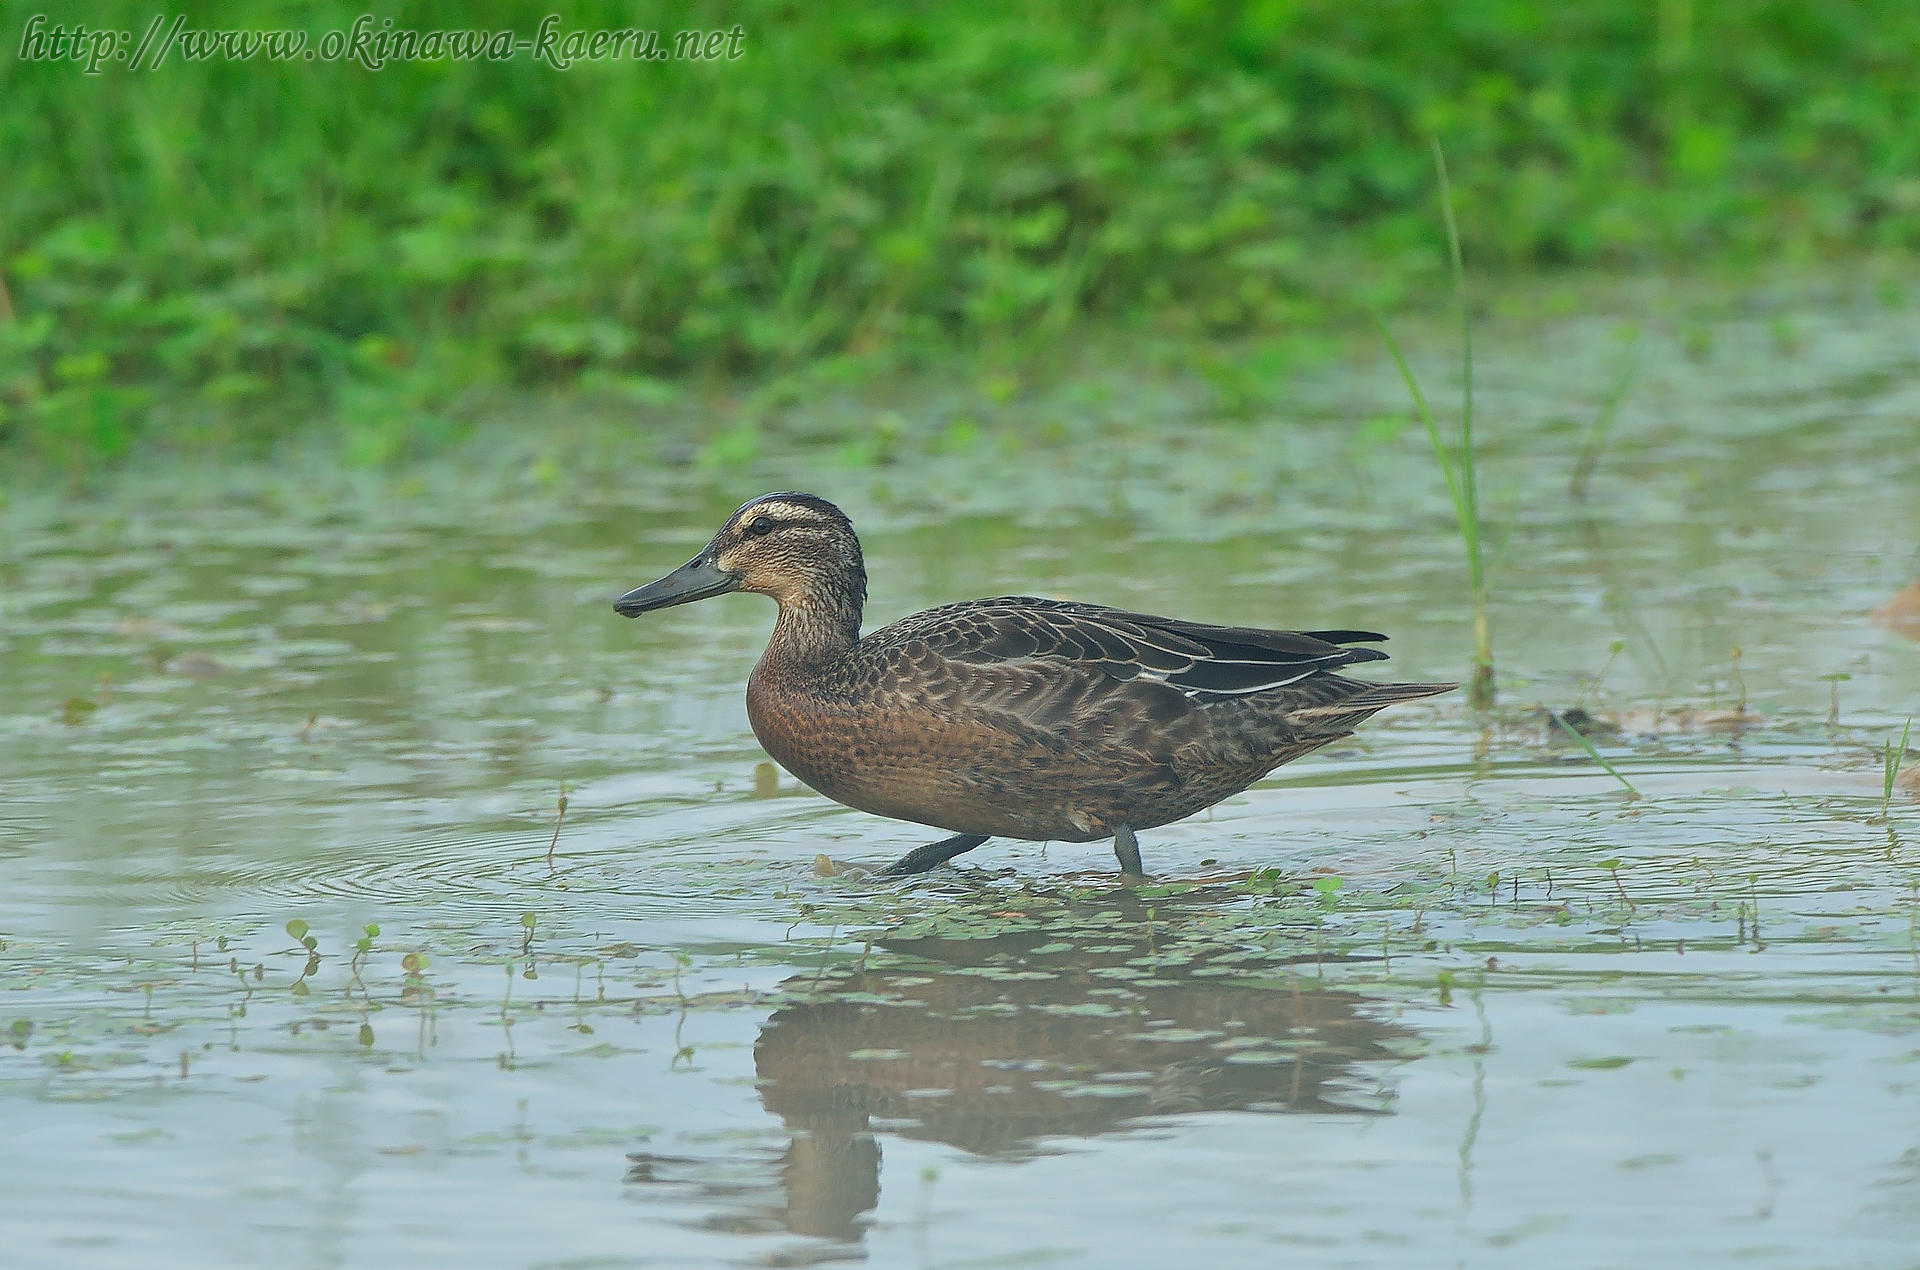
x: 298, y: 929
x: 1612, y: 1062
x: 413, y: 963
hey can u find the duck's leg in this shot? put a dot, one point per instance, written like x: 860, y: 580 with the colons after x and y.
x: 1127, y: 847
x: 920, y: 859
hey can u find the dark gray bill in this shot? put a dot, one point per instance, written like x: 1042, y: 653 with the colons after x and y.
x: 695, y: 580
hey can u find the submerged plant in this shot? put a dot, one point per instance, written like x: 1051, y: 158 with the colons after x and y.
x: 298, y: 929
x: 1834, y: 681
x: 1613, y: 871
x: 362, y: 950
x: 1457, y: 465
x: 559, y: 819
x: 1614, y: 650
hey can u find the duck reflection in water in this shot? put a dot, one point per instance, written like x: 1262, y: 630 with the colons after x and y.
x: 996, y: 1065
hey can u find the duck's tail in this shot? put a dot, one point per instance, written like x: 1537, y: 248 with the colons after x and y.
x: 1344, y: 704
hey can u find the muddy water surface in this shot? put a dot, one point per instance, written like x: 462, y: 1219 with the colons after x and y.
x: 288, y: 979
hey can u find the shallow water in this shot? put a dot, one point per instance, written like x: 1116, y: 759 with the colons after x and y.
x: 1443, y: 991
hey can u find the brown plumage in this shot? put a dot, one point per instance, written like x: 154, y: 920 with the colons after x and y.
x: 1012, y: 717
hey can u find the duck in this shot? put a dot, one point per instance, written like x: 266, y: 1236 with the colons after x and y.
x: 1013, y: 717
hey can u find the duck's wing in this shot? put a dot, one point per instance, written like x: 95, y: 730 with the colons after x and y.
x: 1203, y: 662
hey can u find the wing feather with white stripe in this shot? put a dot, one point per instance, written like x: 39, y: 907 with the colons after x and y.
x: 1204, y: 662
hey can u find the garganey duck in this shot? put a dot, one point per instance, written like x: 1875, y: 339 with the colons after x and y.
x: 1012, y: 717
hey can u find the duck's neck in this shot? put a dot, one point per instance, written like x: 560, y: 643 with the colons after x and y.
x: 811, y: 633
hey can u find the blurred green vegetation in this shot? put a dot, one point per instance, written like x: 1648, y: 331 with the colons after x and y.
x: 215, y: 254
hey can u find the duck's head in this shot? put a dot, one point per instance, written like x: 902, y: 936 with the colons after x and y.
x: 797, y: 548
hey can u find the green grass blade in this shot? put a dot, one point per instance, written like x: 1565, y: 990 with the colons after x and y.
x: 1468, y: 482
x: 1891, y: 760
x: 1595, y: 754
x: 1440, y: 451
x: 1603, y: 420
x: 1459, y: 469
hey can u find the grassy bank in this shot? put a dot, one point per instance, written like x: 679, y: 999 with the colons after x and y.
x: 213, y: 254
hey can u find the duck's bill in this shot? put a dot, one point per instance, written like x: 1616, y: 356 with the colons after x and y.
x: 695, y: 580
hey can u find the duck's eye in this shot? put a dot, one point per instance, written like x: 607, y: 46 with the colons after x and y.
x: 760, y: 526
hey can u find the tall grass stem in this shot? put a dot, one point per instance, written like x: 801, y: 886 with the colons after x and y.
x: 1458, y: 468
x: 1480, y: 689
x: 1583, y: 468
